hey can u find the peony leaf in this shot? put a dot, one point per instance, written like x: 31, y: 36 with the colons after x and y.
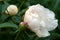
x: 8, y: 25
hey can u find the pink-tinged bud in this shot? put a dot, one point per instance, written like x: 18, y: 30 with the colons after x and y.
x: 23, y: 23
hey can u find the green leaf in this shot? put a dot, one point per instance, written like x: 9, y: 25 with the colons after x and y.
x: 8, y: 28
x: 3, y: 18
x: 22, y: 12
x: 8, y: 25
x: 16, y: 19
x: 1, y: 7
x: 26, y: 35
x: 4, y: 6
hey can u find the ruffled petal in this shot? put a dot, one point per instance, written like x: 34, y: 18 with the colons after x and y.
x: 42, y: 32
x: 40, y: 20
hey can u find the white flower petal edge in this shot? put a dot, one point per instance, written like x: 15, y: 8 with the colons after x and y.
x: 40, y: 20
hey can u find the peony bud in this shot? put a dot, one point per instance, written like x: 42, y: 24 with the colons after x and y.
x: 40, y: 20
x: 23, y: 24
x: 12, y: 10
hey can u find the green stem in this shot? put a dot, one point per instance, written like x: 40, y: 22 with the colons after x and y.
x: 18, y: 33
x: 21, y: 27
x: 58, y: 35
x: 21, y: 4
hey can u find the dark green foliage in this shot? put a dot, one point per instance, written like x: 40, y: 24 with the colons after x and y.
x: 9, y: 25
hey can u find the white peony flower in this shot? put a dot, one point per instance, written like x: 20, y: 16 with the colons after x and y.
x: 12, y: 10
x: 40, y: 20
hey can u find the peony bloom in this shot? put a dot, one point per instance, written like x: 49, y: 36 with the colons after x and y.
x: 40, y: 20
x: 12, y: 10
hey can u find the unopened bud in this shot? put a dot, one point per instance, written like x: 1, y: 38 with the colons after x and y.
x: 12, y: 10
x: 23, y: 24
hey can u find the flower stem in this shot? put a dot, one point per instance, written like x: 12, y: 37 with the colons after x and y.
x: 21, y: 4
x: 21, y: 27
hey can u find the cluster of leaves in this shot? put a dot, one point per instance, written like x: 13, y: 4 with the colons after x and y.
x: 10, y: 25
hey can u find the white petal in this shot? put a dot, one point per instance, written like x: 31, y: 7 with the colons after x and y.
x: 51, y: 22
x: 49, y: 14
x: 51, y: 25
x: 42, y: 23
x: 42, y: 33
x: 40, y: 20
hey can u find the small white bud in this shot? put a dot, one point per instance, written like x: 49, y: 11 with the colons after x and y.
x: 12, y: 10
